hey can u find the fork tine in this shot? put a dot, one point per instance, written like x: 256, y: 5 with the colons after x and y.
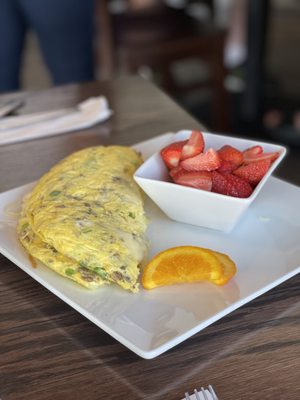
x: 204, y: 393
x: 187, y: 396
x: 212, y: 392
x: 197, y: 394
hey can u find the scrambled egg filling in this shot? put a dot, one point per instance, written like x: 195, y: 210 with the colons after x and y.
x: 85, y: 218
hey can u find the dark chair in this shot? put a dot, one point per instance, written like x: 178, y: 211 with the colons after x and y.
x: 156, y: 37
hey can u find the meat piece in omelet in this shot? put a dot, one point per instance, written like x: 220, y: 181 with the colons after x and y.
x: 86, y: 215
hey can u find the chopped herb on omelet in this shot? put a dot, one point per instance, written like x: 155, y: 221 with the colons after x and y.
x: 85, y: 218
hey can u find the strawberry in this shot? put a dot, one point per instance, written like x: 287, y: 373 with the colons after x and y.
x: 259, y: 157
x: 174, y: 172
x: 230, y: 185
x: 194, y: 146
x: 200, y: 180
x: 208, y: 161
x: 229, y: 153
x: 252, y: 151
x: 254, y: 171
x: 171, y: 153
x: 227, y: 167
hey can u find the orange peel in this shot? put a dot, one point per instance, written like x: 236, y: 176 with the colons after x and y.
x: 229, y: 268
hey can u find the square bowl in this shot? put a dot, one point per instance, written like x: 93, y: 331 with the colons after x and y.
x: 194, y: 206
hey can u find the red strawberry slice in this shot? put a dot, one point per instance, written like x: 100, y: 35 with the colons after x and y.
x: 171, y: 153
x: 252, y: 151
x: 208, y: 161
x: 200, y: 180
x: 227, y: 167
x: 174, y: 172
x: 254, y: 171
x: 259, y: 157
x: 229, y: 153
x: 194, y: 146
x: 230, y: 185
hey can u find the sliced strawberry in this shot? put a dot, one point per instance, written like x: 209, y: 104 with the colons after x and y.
x: 227, y: 167
x: 230, y: 185
x: 171, y: 153
x: 200, y: 180
x: 229, y: 153
x: 259, y: 157
x: 252, y: 151
x: 174, y: 172
x: 194, y: 146
x: 208, y: 161
x: 254, y: 171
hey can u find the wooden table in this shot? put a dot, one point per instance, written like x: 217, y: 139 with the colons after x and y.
x: 49, y: 351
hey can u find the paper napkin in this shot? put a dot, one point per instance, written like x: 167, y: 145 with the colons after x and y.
x: 38, y: 125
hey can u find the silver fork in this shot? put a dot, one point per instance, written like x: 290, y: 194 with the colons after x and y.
x: 203, y: 392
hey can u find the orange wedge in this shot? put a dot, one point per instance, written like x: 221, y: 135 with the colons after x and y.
x: 185, y: 264
x: 229, y: 268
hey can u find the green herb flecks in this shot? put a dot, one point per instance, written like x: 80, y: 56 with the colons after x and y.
x: 55, y: 193
x: 83, y: 264
x: 86, y: 230
x: 100, y: 271
x: 70, y: 271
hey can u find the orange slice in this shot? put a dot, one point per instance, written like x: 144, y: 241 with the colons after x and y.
x: 181, y: 265
x: 229, y: 268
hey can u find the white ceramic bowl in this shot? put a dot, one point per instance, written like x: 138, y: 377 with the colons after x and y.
x: 195, y: 206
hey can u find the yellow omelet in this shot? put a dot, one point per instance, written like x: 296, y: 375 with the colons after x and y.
x: 85, y: 218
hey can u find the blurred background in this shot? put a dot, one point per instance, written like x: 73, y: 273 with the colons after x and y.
x: 233, y: 64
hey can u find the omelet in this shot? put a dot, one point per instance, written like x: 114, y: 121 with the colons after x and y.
x: 54, y: 260
x: 85, y: 218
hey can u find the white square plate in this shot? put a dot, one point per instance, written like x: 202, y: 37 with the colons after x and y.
x: 264, y: 245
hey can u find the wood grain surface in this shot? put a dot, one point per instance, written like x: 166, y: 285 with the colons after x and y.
x: 49, y: 351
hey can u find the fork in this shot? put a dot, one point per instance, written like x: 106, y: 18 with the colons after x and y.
x: 213, y: 395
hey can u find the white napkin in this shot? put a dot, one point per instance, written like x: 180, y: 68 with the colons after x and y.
x: 201, y: 397
x: 32, y: 126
